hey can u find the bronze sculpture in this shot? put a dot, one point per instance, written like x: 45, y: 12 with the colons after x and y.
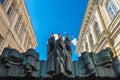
x: 12, y: 61
x: 68, y: 58
x: 86, y: 67
x: 32, y: 63
x: 60, y: 56
x: 51, y: 55
x: 59, y: 63
x: 59, y: 60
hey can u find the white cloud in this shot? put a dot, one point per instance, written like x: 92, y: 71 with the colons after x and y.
x: 56, y: 36
x: 74, y: 41
x: 65, y: 32
x: 63, y: 38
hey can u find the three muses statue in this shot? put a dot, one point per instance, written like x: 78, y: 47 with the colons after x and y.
x: 59, y: 56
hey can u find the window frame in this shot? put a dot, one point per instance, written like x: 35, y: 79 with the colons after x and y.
x: 10, y: 10
x: 111, y: 9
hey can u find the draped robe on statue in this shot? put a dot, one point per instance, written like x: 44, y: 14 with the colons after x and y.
x: 60, y: 57
x: 51, y: 56
x: 68, y: 58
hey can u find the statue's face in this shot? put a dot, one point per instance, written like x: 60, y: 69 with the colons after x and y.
x: 59, y: 36
x: 68, y: 36
x: 52, y: 35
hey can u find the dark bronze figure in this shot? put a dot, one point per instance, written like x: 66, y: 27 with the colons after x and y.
x: 32, y: 63
x: 90, y: 66
x: 86, y: 67
x: 12, y: 61
x: 60, y: 56
x: 51, y: 56
x: 68, y: 58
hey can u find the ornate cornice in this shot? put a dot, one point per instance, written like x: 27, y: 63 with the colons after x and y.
x: 85, y: 22
x: 29, y: 22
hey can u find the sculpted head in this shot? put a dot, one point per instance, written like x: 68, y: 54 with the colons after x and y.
x: 59, y: 36
x: 67, y: 36
x: 52, y: 35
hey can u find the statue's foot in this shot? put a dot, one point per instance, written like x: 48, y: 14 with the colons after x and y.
x: 68, y: 72
x: 60, y: 74
x: 51, y: 72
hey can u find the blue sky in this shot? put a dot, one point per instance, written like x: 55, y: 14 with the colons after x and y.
x: 56, y: 16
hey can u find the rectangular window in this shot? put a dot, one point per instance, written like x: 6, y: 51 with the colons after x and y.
x: 1, y: 40
x: 17, y: 24
x: 112, y: 10
x: 98, y: 32
x: 10, y: 10
x: 114, y: 7
x: 91, y: 41
x: 26, y: 41
x: 19, y: 28
x: 20, y: 32
x: 87, y: 46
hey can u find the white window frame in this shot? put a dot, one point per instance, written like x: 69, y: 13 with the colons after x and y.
x: 112, y: 9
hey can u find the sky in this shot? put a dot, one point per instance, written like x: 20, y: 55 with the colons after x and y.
x: 57, y: 17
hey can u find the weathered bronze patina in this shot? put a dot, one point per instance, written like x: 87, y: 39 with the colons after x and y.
x: 59, y: 64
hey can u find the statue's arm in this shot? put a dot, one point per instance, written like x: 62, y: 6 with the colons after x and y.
x: 69, y: 43
x: 48, y: 47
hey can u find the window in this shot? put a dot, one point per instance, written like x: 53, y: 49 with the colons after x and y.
x: 10, y: 10
x: 91, y: 40
x: 20, y: 32
x: 111, y: 7
x: 117, y: 40
x: 87, y: 46
x: 97, y: 30
x: 18, y: 28
x: 26, y: 42
x: 17, y: 24
x: 1, y: 40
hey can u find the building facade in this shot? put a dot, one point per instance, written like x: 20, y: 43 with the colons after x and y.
x: 15, y: 26
x: 100, y: 27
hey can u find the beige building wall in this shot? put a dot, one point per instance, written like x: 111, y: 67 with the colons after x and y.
x: 100, y: 27
x: 15, y: 26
